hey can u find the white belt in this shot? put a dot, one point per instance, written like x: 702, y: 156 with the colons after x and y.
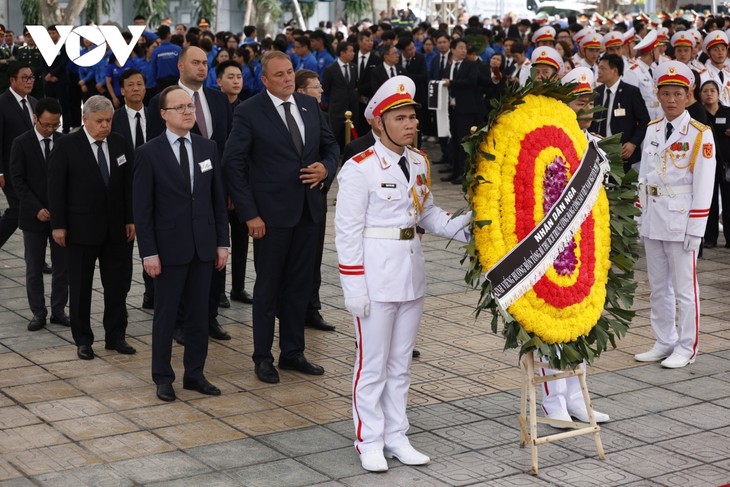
x: 390, y: 233
x: 656, y: 190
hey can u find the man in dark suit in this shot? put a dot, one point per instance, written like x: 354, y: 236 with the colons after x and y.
x: 16, y: 108
x: 340, y: 88
x: 55, y: 77
x: 28, y: 167
x: 180, y: 210
x: 437, y: 70
x: 280, y: 155
x: 414, y: 65
x: 387, y: 69
x: 625, y: 110
x: 213, y: 117
x: 365, y: 61
x: 130, y: 121
x: 90, y: 198
x: 467, y: 108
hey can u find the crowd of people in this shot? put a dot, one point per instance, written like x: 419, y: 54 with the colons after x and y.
x: 202, y: 138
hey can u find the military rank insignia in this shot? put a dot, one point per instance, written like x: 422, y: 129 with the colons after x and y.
x: 707, y: 150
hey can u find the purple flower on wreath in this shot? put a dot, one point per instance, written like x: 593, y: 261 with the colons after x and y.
x: 556, y: 178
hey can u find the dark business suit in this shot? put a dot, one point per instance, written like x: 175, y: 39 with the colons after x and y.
x: 95, y: 217
x: 381, y: 73
x: 631, y: 125
x: 342, y: 97
x: 13, y: 122
x: 364, y: 90
x: 435, y: 73
x: 468, y: 110
x: 262, y: 169
x: 416, y: 70
x: 29, y: 171
x: 120, y: 125
x: 184, y: 229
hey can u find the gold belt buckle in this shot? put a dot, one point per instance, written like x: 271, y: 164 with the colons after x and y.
x: 407, y: 233
x: 653, y: 190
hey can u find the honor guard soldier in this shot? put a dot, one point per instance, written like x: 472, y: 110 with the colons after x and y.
x: 544, y: 36
x: 715, y: 46
x: 683, y: 44
x: 384, y: 192
x: 676, y: 176
x: 546, y: 65
x: 646, y: 56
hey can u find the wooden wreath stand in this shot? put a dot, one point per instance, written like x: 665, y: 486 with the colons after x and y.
x: 528, y: 422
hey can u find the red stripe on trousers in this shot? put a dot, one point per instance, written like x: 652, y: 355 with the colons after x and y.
x: 697, y: 304
x: 358, y: 430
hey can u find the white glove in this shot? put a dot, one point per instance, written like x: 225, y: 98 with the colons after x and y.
x: 691, y: 243
x: 359, y: 306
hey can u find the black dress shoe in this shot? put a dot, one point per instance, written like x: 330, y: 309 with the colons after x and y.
x: 217, y: 332
x: 165, y: 392
x: 266, y: 372
x: 36, y: 323
x: 179, y: 336
x: 415, y: 353
x: 223, y: 301
x: 147, y: 302
x: 85, y: 352
x: 709, y: 245
x: 458, y: 180
x: 47, y: 269
x: 448, y: 179
x: 242, y: 297
x: 202, y: 386
x: 445, y: 170
x: 317, y: 322
x: 122, y: 347
x: 61, y: 319
x: 300, y: 364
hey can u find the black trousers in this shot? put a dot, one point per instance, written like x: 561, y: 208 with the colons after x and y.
x: 721, y: 188
x: 239, y: 252
x: 284, y: 261
x: 314, y: 303
x: 460, y: 124
x: 35, y: 257
x: 179, y: 284
x: 113, y: 266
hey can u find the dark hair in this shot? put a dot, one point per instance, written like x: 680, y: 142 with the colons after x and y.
x: 128, y: 74
x: 302, y: 77
x: 140, y: 17
x: 517, y: 46
x: 303, y: 41
x: 387, y: 48
x: 614, y: 62
x: 342, y: 47
x: 363, y: 34
x: 163, y: 31
x: 248, y: 30
x: 439, y: 35
x: 50, y: 105
x: 14, y: 69
x: 190, y: 38
x: 388, y: 35
x: 178, y: 40
x: 205, y: 44
x: 502, y: 60
x: 455, y: 42
x: 165, y: 92
x: 318, y: 34
x: 221, y: 68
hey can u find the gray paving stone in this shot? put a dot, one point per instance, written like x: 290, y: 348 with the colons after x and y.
x: 609, y: 384
x: 215, y: 479
x: 235, y: 454
x: 335, y: 464
x: 281, y: 473
x: 467, y: 468
x: 521, y: 458
x: 306, y: 440
x: 651, y: 428
x: 612, y: 441
x: 707, y: 447
x: 440, y: 415
x: 97, y: 475
x: 655, y: 374
x: 705, y: 388
x: 521, y: 480
x: 492, y: 405
x: 587, y: 472
x: 19, y: 483
x: 481, y: 434
x: 435, y: 446
x: 156, y: 468
x: 395, y: 477
x: 700, y: 476
x: 649, y: 400
x: 331, y: 483
x: 704, y: 416
x: 650, y: 461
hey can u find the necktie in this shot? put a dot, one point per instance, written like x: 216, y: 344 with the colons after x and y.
x: 347, y: 74
x: 47, y: 150
x: 443, y: 64
x: 608, y: 105
x: 101, y: 158
x: 362, y: 66
x: 669, y: 131
x: 408, y: 62
x: 456, y: 69
x: 139, y: 135
x: 200, y: 116
x: 722, y: 77
x: 403, y: 163
x: 185, y: 163
x: 392, y: 71
x: 296, y: 136
x: 27, y: 112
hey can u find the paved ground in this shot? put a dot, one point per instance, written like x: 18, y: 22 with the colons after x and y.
x: 66, y: 422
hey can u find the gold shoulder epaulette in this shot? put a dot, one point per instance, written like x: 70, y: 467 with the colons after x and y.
x: 655, y: 121
x: 698, y: 125
x: 598, y: 136
x: 418, y: 151
x: 363, y: 155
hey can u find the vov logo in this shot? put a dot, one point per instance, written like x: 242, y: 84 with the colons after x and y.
x: 100, y: 36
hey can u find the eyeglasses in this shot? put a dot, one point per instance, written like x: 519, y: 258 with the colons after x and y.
x: 25, y: 79
x: 182, y: 108
x: 314, y: 87
x: 49, y: 126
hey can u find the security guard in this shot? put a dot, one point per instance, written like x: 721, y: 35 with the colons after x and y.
x: 384, y: 192
x: 676, y: 177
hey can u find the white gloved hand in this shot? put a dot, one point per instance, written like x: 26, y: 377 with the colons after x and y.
x: 691, y: 243
x: 359, y: 306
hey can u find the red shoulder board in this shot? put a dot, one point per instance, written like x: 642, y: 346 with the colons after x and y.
x: 418, y: 151
x: 363, y: 155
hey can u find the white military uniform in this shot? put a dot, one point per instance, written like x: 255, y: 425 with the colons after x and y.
x: 639, y: 71
x: 676, y: 179
x: 376, y: 207
x: 713, y: 73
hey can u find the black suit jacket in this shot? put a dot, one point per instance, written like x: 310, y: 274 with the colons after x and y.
x: 79, y: 202
x: 362, y: 143
x: 434, y: 69
x: 29, y: 172
x: 632, y: 125
x: 13, y: 123
x: 220, y: 113
x: 416, y: 70
x: 379, y: 75
x: 120, y: 124
x: 363, y: 78
x: 262, y: 166
x: 171, y: 222
x: 342, y: 95
x: 465, y: 89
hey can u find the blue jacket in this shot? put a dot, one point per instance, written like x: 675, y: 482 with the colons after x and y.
x: 164, y: 61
